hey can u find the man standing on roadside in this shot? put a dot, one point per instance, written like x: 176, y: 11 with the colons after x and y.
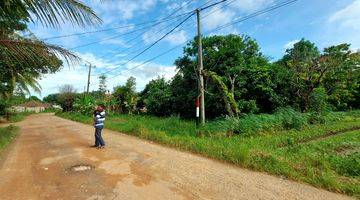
x: 99, y: 119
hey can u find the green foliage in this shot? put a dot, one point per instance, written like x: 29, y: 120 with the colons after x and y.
x: 157, y: 97
x: 24, y: 59
x: 240, y: 69
x: 283, y: 119
x: 17, y: 117
x: 84, y: 104
x: 291, y: 119
x: 318, y: 105
x: 102, y: 84
x: 51, y: 98
x: 228, y: 97
x: 347, y: 165
x: 306, y: 79
x: 66, y: 97
x: 126, y: 96
x: 4, y: 105
x: 7, y: 135
x: 304, y: 68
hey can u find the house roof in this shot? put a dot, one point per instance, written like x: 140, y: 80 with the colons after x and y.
x: 34, y: 103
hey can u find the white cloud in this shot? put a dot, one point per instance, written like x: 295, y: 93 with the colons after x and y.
x: 116, y: 10
x: 176, y: 38
x: 218, y: 17
x: 118, y: 42
x: 290, y: 44
x: 151, y: 36
x: 144, y: 74
x: 343, y: 26
x: 348, y: 17
x: 77, y: 75
x: 98, y: 62
x: 251, y: 5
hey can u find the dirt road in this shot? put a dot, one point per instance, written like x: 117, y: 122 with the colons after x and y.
x: 39, y: 165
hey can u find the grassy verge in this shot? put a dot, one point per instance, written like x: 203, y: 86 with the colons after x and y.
x: 324, y: 155
x: 16, y: 117
x: 7, y: 135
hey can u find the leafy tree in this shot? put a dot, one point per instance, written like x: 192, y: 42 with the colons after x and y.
x: 336, y: 69
x: 66, y: 97
x: 51, y: 98
x: 84, y: 104
x: 239, y: 65
x: 157, y: 97
x: 19, y: 97
x: 102, y: 84
x: 342, y: 76
x: 33, y: 98
x: 126, y: 96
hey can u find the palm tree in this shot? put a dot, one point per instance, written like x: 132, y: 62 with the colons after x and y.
x: 24, y: 58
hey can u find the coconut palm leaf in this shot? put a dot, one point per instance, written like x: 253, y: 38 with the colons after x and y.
x: 31, y: 52
x: 49, y: 12
x: 25, y: 82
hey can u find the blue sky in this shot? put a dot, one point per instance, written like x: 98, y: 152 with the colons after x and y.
x: 325, y: 22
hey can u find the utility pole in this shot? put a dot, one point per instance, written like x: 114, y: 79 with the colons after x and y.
x: 88, y: 82
x: 200, y: 70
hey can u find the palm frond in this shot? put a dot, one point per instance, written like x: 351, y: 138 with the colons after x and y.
x: 32, y: 52
x: 24, y: 82
x: 50, y: 12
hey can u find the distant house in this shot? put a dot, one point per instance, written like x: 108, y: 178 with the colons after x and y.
x: 31, y: 106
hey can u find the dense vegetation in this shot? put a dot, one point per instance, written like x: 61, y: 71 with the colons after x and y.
x: 285, y: 144
x: 239, y: 80
x: 7, y: 135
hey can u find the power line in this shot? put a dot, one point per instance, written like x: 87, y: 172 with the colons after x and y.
x: 117, y: 36
x: 207, y: 2
x: 135, y: 45
x: 139, y: 35
x: 223, y: 6
x: 147, y: 61
x: 257, y: 13
x: 154, y: 43
x: 211, y: 5
x: 118, y: 27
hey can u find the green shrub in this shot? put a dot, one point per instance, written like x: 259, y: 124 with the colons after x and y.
x: 285, y: 118
x: 7, y: 134
x: 318, y: 105
x: 84, y: 104
x: 348, y: 165
x: 291, y: 119
x: 3, y: 107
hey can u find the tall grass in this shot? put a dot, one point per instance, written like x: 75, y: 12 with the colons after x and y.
x: 16, y: 117
x: 7, y: 134
x: 283, y: 143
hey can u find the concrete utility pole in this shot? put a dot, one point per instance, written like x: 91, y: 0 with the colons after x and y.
x: 200, y: 68
x: 88, y: 82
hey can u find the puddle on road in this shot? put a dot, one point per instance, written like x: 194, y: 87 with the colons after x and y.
x: 80, y: 168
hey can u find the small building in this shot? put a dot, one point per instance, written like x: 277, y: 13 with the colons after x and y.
x: 31, y: 106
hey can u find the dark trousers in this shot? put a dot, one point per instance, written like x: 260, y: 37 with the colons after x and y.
x: 99, y: 141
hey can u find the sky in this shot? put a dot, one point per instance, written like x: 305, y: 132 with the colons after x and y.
x: 324, y: 22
